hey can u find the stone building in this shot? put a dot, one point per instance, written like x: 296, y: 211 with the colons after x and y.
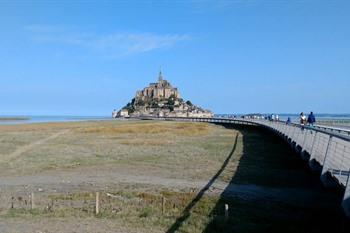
x: 161, y: 99
x: 160, y: 90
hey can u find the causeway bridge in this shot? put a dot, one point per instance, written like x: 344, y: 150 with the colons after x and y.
x: 325, y: 149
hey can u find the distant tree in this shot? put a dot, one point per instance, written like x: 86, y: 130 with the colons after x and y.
x: 131, y: 110
x: 128, y: 105
x: 141, y: 102
x: 154, y: 105
x: 189, y: 103
x: 171, y: 101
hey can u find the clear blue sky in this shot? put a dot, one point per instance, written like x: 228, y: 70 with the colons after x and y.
x: 87, y: 58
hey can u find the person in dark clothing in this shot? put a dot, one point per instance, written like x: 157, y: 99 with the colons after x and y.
x: 302, y: 121
x: 311, y: 120
x: 288, y: 121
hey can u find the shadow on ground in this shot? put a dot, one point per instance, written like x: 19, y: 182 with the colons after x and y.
x: 285, y: 195
x: 187, y: 212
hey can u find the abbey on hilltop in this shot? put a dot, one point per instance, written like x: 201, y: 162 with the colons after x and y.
x: 160, y: 100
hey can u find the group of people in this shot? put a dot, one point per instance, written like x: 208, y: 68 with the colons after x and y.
x: 309, y: 120
x: 273, y: 117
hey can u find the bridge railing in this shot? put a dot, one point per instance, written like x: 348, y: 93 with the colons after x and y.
x: 324, y: 148
x: 329, y: 148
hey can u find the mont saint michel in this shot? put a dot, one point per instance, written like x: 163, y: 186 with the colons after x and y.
x: 161, y: 99
x: 275, y: 156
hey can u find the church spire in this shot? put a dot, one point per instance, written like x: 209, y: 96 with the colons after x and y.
x: 160, y: 77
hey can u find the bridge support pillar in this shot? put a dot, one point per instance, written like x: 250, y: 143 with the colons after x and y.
x: 304, y: 155
x: 326, y: 179
x: 346, y: 199
x: 314, y: 165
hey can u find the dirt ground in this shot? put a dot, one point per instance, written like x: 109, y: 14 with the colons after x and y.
x: 107, y: 156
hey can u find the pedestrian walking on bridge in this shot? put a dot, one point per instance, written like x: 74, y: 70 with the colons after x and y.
x: 288, y: 121
x: 311, y: 120
x: 302, y: 120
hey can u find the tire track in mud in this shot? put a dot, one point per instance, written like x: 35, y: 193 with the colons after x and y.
x: 32, y: 145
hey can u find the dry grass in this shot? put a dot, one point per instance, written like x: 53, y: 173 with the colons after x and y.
x: 196, y: 149
x: 159, y: 150
x: 146, y: 141
x: 141, y: 210
x: 180, y: 129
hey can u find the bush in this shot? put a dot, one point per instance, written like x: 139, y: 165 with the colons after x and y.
x: 189, y: 103
x: 171, y: 101
x: 146, y: 212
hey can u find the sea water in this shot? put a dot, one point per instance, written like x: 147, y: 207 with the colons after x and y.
x: 44, y: 119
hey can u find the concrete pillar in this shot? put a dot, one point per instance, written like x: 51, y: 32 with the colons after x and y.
x: 327, y: 181
x: 290, y: 136
x: 313, y: 164
x: 346, y: 199
x: 305, y: 153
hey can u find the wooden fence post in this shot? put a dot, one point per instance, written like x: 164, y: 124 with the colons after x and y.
x: 97, y: 209
x: 226, y: 212
x: 163, y: 205
x: 32, y: 200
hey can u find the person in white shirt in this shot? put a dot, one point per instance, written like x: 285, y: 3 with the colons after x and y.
x: 302, y: 120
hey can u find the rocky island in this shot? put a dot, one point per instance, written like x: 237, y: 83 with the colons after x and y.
x: 160, y: 99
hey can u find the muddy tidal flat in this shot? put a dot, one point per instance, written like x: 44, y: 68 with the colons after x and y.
x: 14, y: 118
